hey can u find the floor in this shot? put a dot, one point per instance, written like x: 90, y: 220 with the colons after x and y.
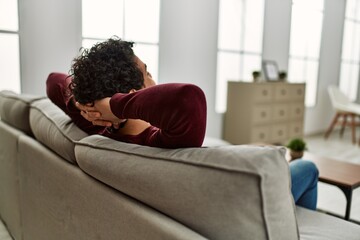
x: 330, y: 198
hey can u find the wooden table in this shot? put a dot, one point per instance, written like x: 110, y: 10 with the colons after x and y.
x: 344, y: 175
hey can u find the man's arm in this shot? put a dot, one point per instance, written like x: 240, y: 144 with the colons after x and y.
x: 57, y: 89
x: 178, y: 110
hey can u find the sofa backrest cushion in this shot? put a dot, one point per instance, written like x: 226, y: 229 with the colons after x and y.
x: 14, y: 109
x: 227, y: 192
x: 52, y: 127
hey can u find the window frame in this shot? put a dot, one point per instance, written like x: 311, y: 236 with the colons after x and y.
x: 239, y: 53
x: 124, y: 37
x: 355, y: 63
x: 17, y: 33
x: 306, y: 58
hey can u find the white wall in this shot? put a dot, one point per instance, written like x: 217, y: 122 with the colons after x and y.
x: 276, y: 37
x: 50, y: 36
x: 188, y: 49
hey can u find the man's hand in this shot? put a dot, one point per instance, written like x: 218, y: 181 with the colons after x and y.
x: 99, y: 113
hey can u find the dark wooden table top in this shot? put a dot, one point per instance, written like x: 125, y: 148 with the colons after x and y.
x: 336, y: 172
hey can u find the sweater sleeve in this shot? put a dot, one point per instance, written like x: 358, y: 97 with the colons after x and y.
x: 57, y: 89
x: 178, y: 110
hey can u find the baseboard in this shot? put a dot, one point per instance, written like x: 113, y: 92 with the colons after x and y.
x: 315, y: 133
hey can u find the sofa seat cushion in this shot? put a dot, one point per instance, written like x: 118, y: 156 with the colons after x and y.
x: 14, y: 109
x: 319, y: 226
x: 52, y: 127
x: 230, y: 192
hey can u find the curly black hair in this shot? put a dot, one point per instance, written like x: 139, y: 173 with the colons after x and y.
x: 107, y: 68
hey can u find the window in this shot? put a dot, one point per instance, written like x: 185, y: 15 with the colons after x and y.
x: 239, y: 44
x: 132, y: 20
x: 305, y: 40
x: 9, y: 46
x: 350, y: 59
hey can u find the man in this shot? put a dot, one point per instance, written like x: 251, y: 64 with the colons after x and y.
x: 118, y: 99
x: 110, y: 92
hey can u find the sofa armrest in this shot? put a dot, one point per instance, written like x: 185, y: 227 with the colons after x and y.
x: 229, y: 192
x: 14, y: 109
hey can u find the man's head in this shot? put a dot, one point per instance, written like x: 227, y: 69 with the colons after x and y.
x: 105, y: 69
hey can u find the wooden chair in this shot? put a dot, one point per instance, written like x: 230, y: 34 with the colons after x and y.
x: 344, y: 109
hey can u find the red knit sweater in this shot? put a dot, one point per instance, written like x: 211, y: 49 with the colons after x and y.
x: 176, y: 112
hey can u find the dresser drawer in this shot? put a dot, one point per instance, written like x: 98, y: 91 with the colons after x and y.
x: 282, y: 92
x: 260, y: 135
x: 280, y: 112
x: 296, y: 129
x: 262, y: 93
x: 279, y: 132
x: 297, y: 92
x: 261, y: 114
x: 297, y: 111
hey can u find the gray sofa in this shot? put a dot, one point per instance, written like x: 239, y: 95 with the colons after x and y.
x: 58, y: 183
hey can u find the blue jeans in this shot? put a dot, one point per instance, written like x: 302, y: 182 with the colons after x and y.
x: 304, y: 179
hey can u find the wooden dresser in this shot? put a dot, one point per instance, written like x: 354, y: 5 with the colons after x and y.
x: 264, y: 112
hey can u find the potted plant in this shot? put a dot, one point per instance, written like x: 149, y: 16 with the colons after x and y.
x: 282, y: 75
x: 297, y: 147
x: 256, y: 75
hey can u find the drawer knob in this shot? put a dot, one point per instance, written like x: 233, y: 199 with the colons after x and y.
x: 263, y: 114
x: 265, y: 92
